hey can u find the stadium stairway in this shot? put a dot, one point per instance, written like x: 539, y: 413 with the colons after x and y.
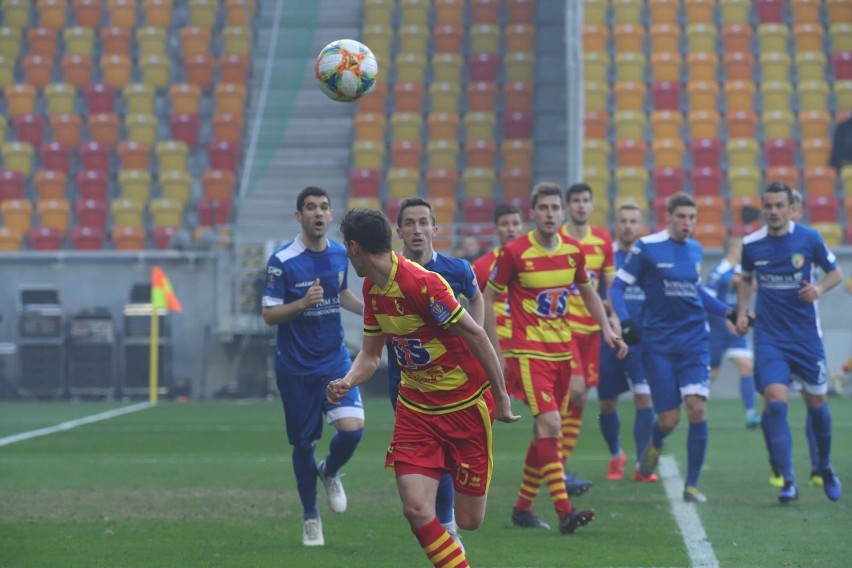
x: 550, y: 134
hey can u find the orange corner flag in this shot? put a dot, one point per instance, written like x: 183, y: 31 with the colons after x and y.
x: 162, y: 295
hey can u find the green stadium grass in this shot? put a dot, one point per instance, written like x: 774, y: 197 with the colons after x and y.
x: 210, y: 484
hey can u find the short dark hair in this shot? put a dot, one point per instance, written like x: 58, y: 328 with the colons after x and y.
x: 544, y: 188
x: 310, y: 191
x: 778, y: 187
x: 577, y: 189
x: 414, y: 202
x: 505, y: 209
x: 680, y: 199
x: 369, y: 228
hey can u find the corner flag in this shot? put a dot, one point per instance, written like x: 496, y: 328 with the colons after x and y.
x: 162, y: 298
x: 162, y: 295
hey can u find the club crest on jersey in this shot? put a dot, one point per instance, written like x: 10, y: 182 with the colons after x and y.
x: 798, y: 260
x: 552, y: 303
x: 398, y: 305
x: 440, y: 312
x: 340, y: 276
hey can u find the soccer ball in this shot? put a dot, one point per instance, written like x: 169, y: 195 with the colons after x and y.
x: 346, y: 70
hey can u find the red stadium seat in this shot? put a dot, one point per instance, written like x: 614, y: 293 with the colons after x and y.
x: 45, y: 238
x: 482, y: 231
x: 11, y: 185
x: 29, y: 128
x: 477, y: 209
x: 91, y: 213
x: 668, y: 181
x: 666, y: 95
x: 100, y: 98
x: 56, y: 156
x: 842, y: 64
x: 484, y: 67
x: 184, y: 127
x: 223, y: 155
x: 214, y: 212
x: 770, y: 11
x: 706, y: 153
x: 517, y: 125
x: 780, y: 152
x: 87, y: 238
x: 707, y: 181
x: 365, y: 183
x: 823, y: 209
x: 94, y: 156
x: 162, y: 236
x: 92, y: 184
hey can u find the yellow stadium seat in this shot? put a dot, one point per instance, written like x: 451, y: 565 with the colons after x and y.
x: 155, y: 70
x: 202, y: 13
x: 55, y: 213
x: 413, y: 38
x: 816, y: 151
x: 811, y: 66
x: 236, y: 40
x: 597, y: 179
x: 10, y: 42
x: 135, y: 185
x: 414, y: 12
x: 594, y: 12
x: 629, y: 66
x: 629, y: 37
x: 665, y: 66
x: 447, y: 68
x: 744, y: 182
x: 18, y: 157
x: 630, y: 95
x: 596, y: 154
x: 61, y: 98
x: 484, y: 38
x: 444, y: 97
x: 519, y: 67
x: 701, y: 37
x: 735, y: 11
x: 139, y: 98
x: 596, y: 96
x: 740, y: 95
x: 478, y: 182
x: 596, y: 67
x: 378, y: 12
x: 7, y: 72
x: 777, y: 124
x: 79, y: 41
x: 379, y: 39
x: 166, y: 212
x: 410, y: 67
x: 742, y: 153
x: 775, y: 66
x: 832, y: 233
x: 841, y: 36
x: 141, y: 128
x: 665, y: 38
x: 406, y: 126
x: 151, y: 41
x: 631, y: 182
x: 479, y: 125
x: 403, y: 182
x: 365, y: 202
x: 172, y: 155
x: 843, y: 96
x: 16, y: 13
x: 626, y: 11
x: 17, y: 215
x: 442, y: 154
x: 773, y: 37
x: 704, y: 124
x: 629, y: 125
x: 176, y: 185
x: 127, y: 213
x: 368, y: 154
x: 703, y: 95
x: 776, y: 95
x: 813, y: 95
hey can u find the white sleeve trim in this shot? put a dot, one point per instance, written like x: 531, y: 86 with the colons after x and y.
x: 269, y: 301
x: 626, y: 276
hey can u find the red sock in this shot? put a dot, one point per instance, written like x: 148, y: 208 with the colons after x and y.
x: 531, y: 481
x: 439, y: 546
x: 553, y: 474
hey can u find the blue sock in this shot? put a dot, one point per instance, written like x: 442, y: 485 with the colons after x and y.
x: 747, y: 392
x: 340, y: 449
x: 642, y: 426
x: 657, y: 436
x: 696, y: 448
x: 305, y: 468
x: 444, y: 499
x: 610, y: 425
x: 820, y: 421
x: 813, y: 451
x: 764, y: 418
x: 779, y: 438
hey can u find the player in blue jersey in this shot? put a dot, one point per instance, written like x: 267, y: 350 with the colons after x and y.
x: 617, y: 375
x: 306, y: 285
x: 675, y: 352
x: 787, y: 336
x: 724, y: 341
x: 416, y: 227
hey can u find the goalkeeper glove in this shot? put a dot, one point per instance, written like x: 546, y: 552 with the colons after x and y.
x: 630, y: 332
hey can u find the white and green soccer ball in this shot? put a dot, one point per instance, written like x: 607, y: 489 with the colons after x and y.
x: 346, y: 70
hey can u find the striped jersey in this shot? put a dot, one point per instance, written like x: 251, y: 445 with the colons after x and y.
x: 597, y: 248
x: 539, y: 282
x: 413, y: 312
x: 482, y: 267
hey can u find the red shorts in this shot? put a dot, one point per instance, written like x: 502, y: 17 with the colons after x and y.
x: 543, y: 384
x: 587, y: 353
x: 458, y: 443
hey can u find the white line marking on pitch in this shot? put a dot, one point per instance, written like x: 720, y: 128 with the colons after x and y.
x: 697, y: 545
x: 70, y: 424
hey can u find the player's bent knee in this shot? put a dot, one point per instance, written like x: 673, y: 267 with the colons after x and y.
x: 467, y: 522
x: 607, y: 406
x: 418, y: 512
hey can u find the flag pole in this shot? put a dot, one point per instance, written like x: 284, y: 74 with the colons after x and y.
x: 153, y: 362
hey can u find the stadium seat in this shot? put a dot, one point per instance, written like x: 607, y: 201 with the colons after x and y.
x: 133, y: 155
x: 91, y: 213
x: 20, y: 99
x: 38, y: 70
x: 667, y: 181
x: 184, y: 127
x: 55, y: 156
x: 773, y: 37
x: 626, y: 11
x: 595, y: 38
x: 485, y: 11
x: 11, y: 185
x: 127, y: 212
x: 477, y: 209
x: 408, y: 97
x: 194, y: 41
x: 162, y: 236
x: 596, y: 154
x: 663, y: 11
x: 441, y: 183
x: 598, y: 180
x: 151, y: 40
x: 128, y: 237
x: 481, y: 153
x: 199, y: 71
x: 820, y: 181
x: 736, y: 38
x: 701, y: 37
x: 10, y: 42
x: 813, y: 95
x: 77, y: 70
x: 10, y: 240
x: 236, y: 40
x: 228, y: 127
x: 630, y: 153
x: 744, y: 182
x: 815, y: 152
x: 518, y: 97
x: 42, y: 41
x: 92, y: 185
x: 777, y: 124
x: 116, y: 70
x: 50, y: 184
x: 405, y: 154
x: 446, y: 68
x: 104, y: 128
x: 442, y: 154
x: 17, y: 215
x: 184, y: 98
x: 739, y: 66
x: 172, y: 154
x: 702, y: 66
x: 484, y: 38
x: 378, y: 12
x: 155, y: 70
x: 517, y: 125
x: 480, y: 126
x: 831, y: 233
x: 232, y: 69
x: 403, y: 183
x: 79, y: 41
x: 822, y: 209
x: 742, y: 152
x: 135, y: 185
x: 519, y: 67
x: 18, y: 157
x: 479, y: 182
x: 735, y: 11
x: 706, y: 181
x: 739, y: 95
x: 54, y: 213
x: 66, y: 128
x: 629, y: 37
x: 203, y: 13
x: 741, y: 124
x: 706, y: 152
x: 176, y: 185
x: 666, y: 124
x: 481, y: 97
x: 630, y: 66
x: 410, y: 68
x: 783, y: 174
x: 596, y: 96
x: 16, y: 13
x: 95, y: 156
x: 60, y: 98
x: 219, y: 184
x: 166, y: 213
x: 665, y: 95
x: 841, y: 35
x: 7, y: 72
x: 370, y: 126
x: 810, y: 66
x: 704, y: 96
x: 224, y: 155
x: 665, y: 38
x: 595, y: 125
x: 775, y: 66
x: 29, y: 128
x: 841, y: 63
x: 780, y: 152
x: 710, y: 235
x: 629, y: 125
x: 443, y: 126
x: 808, y: 37
x: 776, y: 95
x: 116, y: 40
x: 366, y: 202
x: 630, y: 95
x: 444, y: 97
x: 413, y: 38
x: 631, y: 182
x: 214, y: 212
x: 668, y: 153
x: 45, y: 238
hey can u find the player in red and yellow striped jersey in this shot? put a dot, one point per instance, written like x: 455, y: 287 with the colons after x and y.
x: 537, y: 270
x: 445, y: 406
x: 597, y: 248
x: 508, y: 226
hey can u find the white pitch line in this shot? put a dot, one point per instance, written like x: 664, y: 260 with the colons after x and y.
x: 68, y: 425
x: 698, y: 547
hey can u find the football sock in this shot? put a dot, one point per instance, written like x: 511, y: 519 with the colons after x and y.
x: 610, y: 425
x: 305, y: 467
x: 532, y: 480
x: 696, y: 448
x: 439, y: 546
x: 553, y: 474
x: 642, y: 426
x: 657, y: 435
x: 747, y: 392
x: 764, y: 427
x: 780, y: 440
x: 444, y: 499
x: 571, y: 423
x: 821, y: 420
x: 813, y: 446
x: 340, y: 449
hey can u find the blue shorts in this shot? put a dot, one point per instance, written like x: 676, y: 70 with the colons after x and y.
x: 304, y: 402
x: 723, y: 342
x: 617, y: 375
x: 775, y: 363
x: 673, y: 376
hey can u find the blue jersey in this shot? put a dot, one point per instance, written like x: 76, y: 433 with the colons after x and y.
x: 312, y: 342
x: 634, y: 296
x: 719, y: 285
x: 674, y: 318
x: 780, y: 265
x: 459, y: 275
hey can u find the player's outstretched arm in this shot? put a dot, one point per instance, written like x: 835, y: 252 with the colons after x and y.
x: 350, y: 302
x: 482, y: 349
x: 362, y: 370
x: 597, y: 311
x: 712, y: 304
